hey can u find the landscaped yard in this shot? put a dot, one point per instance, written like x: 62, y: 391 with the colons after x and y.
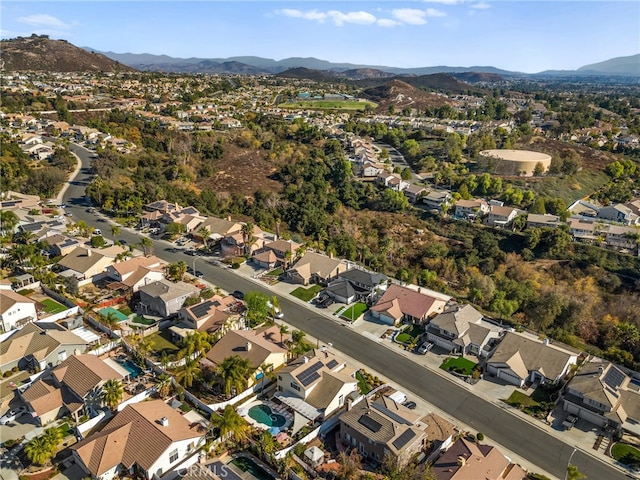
x: 458, y: 365
x: 160, y: 342
x: 537, y: 405
x: 125, y: 310
x: 52, y: 307
x: 518, y: 399
x: 627, y: 454
x: 275, y: 273
x: 306, y: 294
x: 410, y: 334
x: 141, y: 320
x: 354, y: 311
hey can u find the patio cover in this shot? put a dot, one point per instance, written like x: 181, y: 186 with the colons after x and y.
x: 299, y: 405
x: 85, y: 334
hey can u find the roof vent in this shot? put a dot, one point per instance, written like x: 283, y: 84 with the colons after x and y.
x: 306, y: 359
x: 164, y: 421
x: 248, y: 346
x: 462, y: 461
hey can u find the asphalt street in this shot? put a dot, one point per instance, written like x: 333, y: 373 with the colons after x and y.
x: 523, y: 438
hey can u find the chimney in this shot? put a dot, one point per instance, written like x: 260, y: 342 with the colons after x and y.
x: 462, y: 461
x: 229, y: 218
x: 349, y: 403
x: 248, y: 346
x: 164, y: 421
x: 88, y: 252
x: 306, y: 359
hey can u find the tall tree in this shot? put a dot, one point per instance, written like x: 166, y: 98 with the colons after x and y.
x: 189, y: 373
x: 231, y: 425
x: 112, y: 393
x: 233, y: 372
x: 147, y: 246
x: 38, y: 450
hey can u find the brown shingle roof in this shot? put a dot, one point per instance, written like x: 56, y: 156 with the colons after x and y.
x: 82, y: 373
x: 411, y: 302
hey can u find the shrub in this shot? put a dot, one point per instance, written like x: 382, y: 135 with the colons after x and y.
x: 480, y: 436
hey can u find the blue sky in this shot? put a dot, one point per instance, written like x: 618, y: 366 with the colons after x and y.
x: 513, y: 35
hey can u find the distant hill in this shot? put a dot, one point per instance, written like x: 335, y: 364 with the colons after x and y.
x: 303, y: 73
x: 400, y: 94
x: 616, y: 66
x: 478, y: 77
x: 40, y: 53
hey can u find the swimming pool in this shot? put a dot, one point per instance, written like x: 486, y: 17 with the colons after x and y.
x: 117, y: 314
x: 263, y: 414
x: 247, y: 464
x: 133, y: 369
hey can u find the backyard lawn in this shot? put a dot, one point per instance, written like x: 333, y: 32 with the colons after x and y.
x: 141, y: 320
x: 52, y: 307
x: 627, y: 454
x: 160, y: 343
x: 306, y: 294
x: 459, y: 365
x: 354, y: 311
x: 125, y: 310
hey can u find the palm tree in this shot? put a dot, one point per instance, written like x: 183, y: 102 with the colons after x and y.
x: 275, y: 306
x: 189, y: 373
x: 204, y: 233
x: 115, y: 230
x: 163, y: 385
x: 267, y: 446
x: 8, y: 222
x: 164, y: 359
x: 147, y: 246
x: 267, y: 371
x: 53, y: 436
x: 247, y: 236
x: 38, y: 450
x: 233, y: 372
x: 112, y: 393
x: 283, y: 331
x: 297, y: 338
x: 231, y: 425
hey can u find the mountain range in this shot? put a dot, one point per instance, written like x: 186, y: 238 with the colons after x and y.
x: 622, y: 66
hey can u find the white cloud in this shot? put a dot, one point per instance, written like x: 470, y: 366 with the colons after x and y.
x: 445, y: 2
x: 43, y: 20
x: 360, y: 18
x: 480, y: 6
x: 411, y: 16
x: 387, y: 22
x: 432, y: 12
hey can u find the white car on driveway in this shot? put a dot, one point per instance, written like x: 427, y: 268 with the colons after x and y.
x: 12, y: 414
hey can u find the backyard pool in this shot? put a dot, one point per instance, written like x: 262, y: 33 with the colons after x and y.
x: 133, y: 369
x: 117, y: 314
x: 247, y: 464
x: 263, y: 414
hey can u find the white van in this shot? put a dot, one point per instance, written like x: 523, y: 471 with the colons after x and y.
x: 97, y: 231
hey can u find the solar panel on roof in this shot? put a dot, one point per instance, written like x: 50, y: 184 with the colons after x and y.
x: 308, y: 371
x: 201, y: 310
x: 614, y: 378
x: 309, y: 379
x: 370, y: 423
x: 403, y: 439
x: 332, y: 364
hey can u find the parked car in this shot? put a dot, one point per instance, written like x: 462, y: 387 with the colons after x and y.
x: 199, y: 274
x: 275, y: 312
x: 12, y: 414
x: 410, y: 405
x: 191, y: 253
x: 238, y: 294
x: 570, y: 421
x: 424, y: 348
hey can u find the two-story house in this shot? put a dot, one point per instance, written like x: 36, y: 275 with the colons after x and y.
x: 164, y: 297
x: 145, y: 439
x: 437, y: 199
x: 470, y: 209
x: 382, y: 428
x: 501, y: 216
x: 538, y: 220
x: 461, y: 329
x: 355, y: 285
x: 321, y: 379
x: 15, y: 309
x: 618, y: 213
x: 74, y: 387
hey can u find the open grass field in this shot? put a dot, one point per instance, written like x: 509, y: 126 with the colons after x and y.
x: 327, y: 105
x: 52, y: 307
x: 459, y: 365
x: 306, y: 294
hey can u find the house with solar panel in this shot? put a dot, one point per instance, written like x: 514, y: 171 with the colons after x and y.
x: 603, y: 394
x: 382, y: 427
x: 317, y: 383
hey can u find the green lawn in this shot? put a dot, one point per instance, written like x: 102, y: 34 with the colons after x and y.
x: 125, y: 310
x: 66, y: 429
x: 141, y: 320
x: 275, y: 273
x: 363, y: 386
x: 517, y: 399
x: 160, y: 342
x: 459, y: 365
x: 627, y: 454
x: 410, y: 334
x: 52, y: 307
x: 327, y: 105
x: 306, y: 294
x: 354, y: 311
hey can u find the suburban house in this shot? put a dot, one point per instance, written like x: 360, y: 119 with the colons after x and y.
x: 538, y: 220
x: 437, y: 199
x: 618, y: 213
x: 467, y: 460
x: 440, y: 434
x: 211, y: 316
x: 86, y: 264
x: 218, y: 228
x: 604, y: 395
x: 403, y: 304
x: 316, y: 268
x: 470, y: 209
x: 164, y: 297
x: 320, y: 381
x: 500, y: 216
x: 59, y: 244
x: 382, y: 427
x: 74, y: 387
x: 15, y: 309
x: 11, y: 200
x: 145, y: 439
x: 519, y: 359
x: 414, y: 192
x: 162, y: 206
x: 583, y: 229
x: 462, y: 329
x: 33, y: 346
x: 355, y: 285
x: 285, y: 250
x: 619, y: 236
x: 264, y: 346
x: 136, y: 272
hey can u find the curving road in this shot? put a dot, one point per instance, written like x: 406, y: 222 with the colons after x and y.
x: 522, y: 437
